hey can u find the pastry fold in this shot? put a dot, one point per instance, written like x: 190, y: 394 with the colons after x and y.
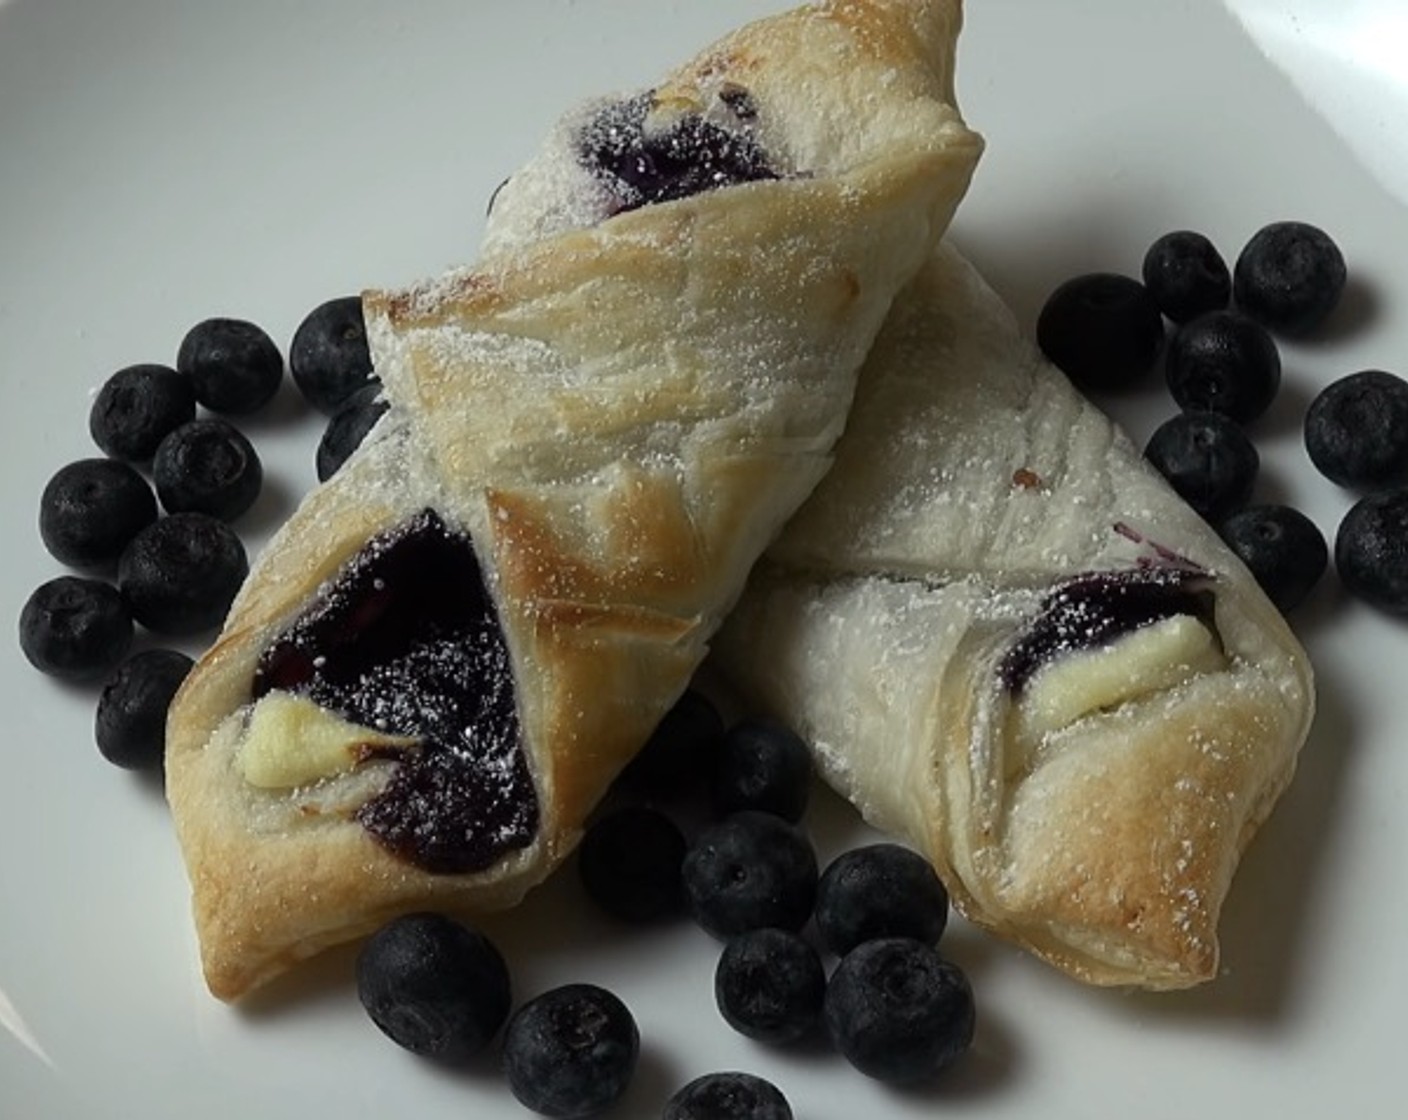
x: 442, y: 660
x: 1012, y: 645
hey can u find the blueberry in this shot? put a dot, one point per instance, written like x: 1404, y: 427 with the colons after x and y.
x: 234, y: 366
x: 1102, y: 330
x: 1208, y: 460
x: 728, y: 1096
x: 899, y: 1012
x: 571, y: 1051
x: 137, y: 407
x: 1289, y: 277
x: 769, y: 985
x: 648, y: 165
x: 348, y: 428
x: 1356, y: 430
x: 680, y: 752
x: 1223, y: 362
x: 749, y: 871
x: 130, y: 726
x: 1186, y: 275
x: 91, y: 509
x: 762, y: 766
x: 1371, y: 550
x: 1282, y: 548
x: 329, y: 359
x: 880, y: 890
x: 180, y: 574
x: 434, y: 986
x: 207, y: 466
x: 630, y: 861
x: 77, y: 629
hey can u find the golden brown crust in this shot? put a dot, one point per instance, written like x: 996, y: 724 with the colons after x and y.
x: 619, y: 417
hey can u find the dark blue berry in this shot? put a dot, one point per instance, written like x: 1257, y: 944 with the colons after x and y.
x: 899, y: 1012
x: 728, y: 1096
x: 137, y: 407
x: 1102, y: 330
x: 1208, y: 460
x: 1289, y: 277
x: 77, y: 629
x: 180, y: 574
x: 880, y: 890
x: 648, y: 165
x: 630, y: 860
x: 434, y: 986
x: 749, y: 871
x: 1356, y: 430
x: 1371, y: 550
x: 329, y: 359
x: 769, y: 985
x: 348, y: 428
x: 1282, y: 548
x: 91, y: 509
x: 571, y: 1051
x: 679, y: 754
x: 207, y: 466
x: 234, y: 366
x: 1223, y: 362
x: 130, y: 725
x: 762, y: 766
x: 1186, y: 275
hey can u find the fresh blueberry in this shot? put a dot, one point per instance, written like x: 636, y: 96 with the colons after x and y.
x: 91, y: 509
x: 130, y: 725
x: 1102, y: 330
x: 1186, y: 275
x: 77, y: 629
x: 762, y: 766
x: 1289, y: 277
x: 234, y: 366
x: 137, y: 407
x: 180, y: 574
x: 648, y: 165
x: 730, y: 1095
x: 348, y: 428
x: 434, y: 986
x: 680, y: 752
x: 1356, y: 430
x: 1223, y: 362
x: 571, y: 1051
x: 1208, y: 460
x: 1371, y: 550
x: 207, y: 466
x: 1282, y: 548
x: 769, y: 985
x: 880, y: 890
x: 630, y: 862
x: 749, y: 871
x: 329, y: 359
x: 899, y: 1012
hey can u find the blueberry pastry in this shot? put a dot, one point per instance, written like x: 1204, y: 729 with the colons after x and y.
x: 1009, y: 643
x: 440, y: 663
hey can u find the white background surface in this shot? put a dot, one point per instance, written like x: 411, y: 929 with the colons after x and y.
x: 164, y: 162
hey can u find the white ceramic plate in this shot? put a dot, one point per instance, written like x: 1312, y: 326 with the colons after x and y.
x: 162, y: 162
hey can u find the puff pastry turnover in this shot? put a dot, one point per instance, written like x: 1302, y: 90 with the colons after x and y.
x: 1011, y: 644
x: 440, y: 663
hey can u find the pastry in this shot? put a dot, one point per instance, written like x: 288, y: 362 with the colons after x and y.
x: 1011, y: 644
x: 439, y: 664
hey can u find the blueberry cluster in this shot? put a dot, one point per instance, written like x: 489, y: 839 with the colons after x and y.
x: 149, y: 522
x: 1222, y: 367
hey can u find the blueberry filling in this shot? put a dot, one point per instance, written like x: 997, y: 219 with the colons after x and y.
x: 1095, y: 609
x: 406, y: 641
x: 688, y: 156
